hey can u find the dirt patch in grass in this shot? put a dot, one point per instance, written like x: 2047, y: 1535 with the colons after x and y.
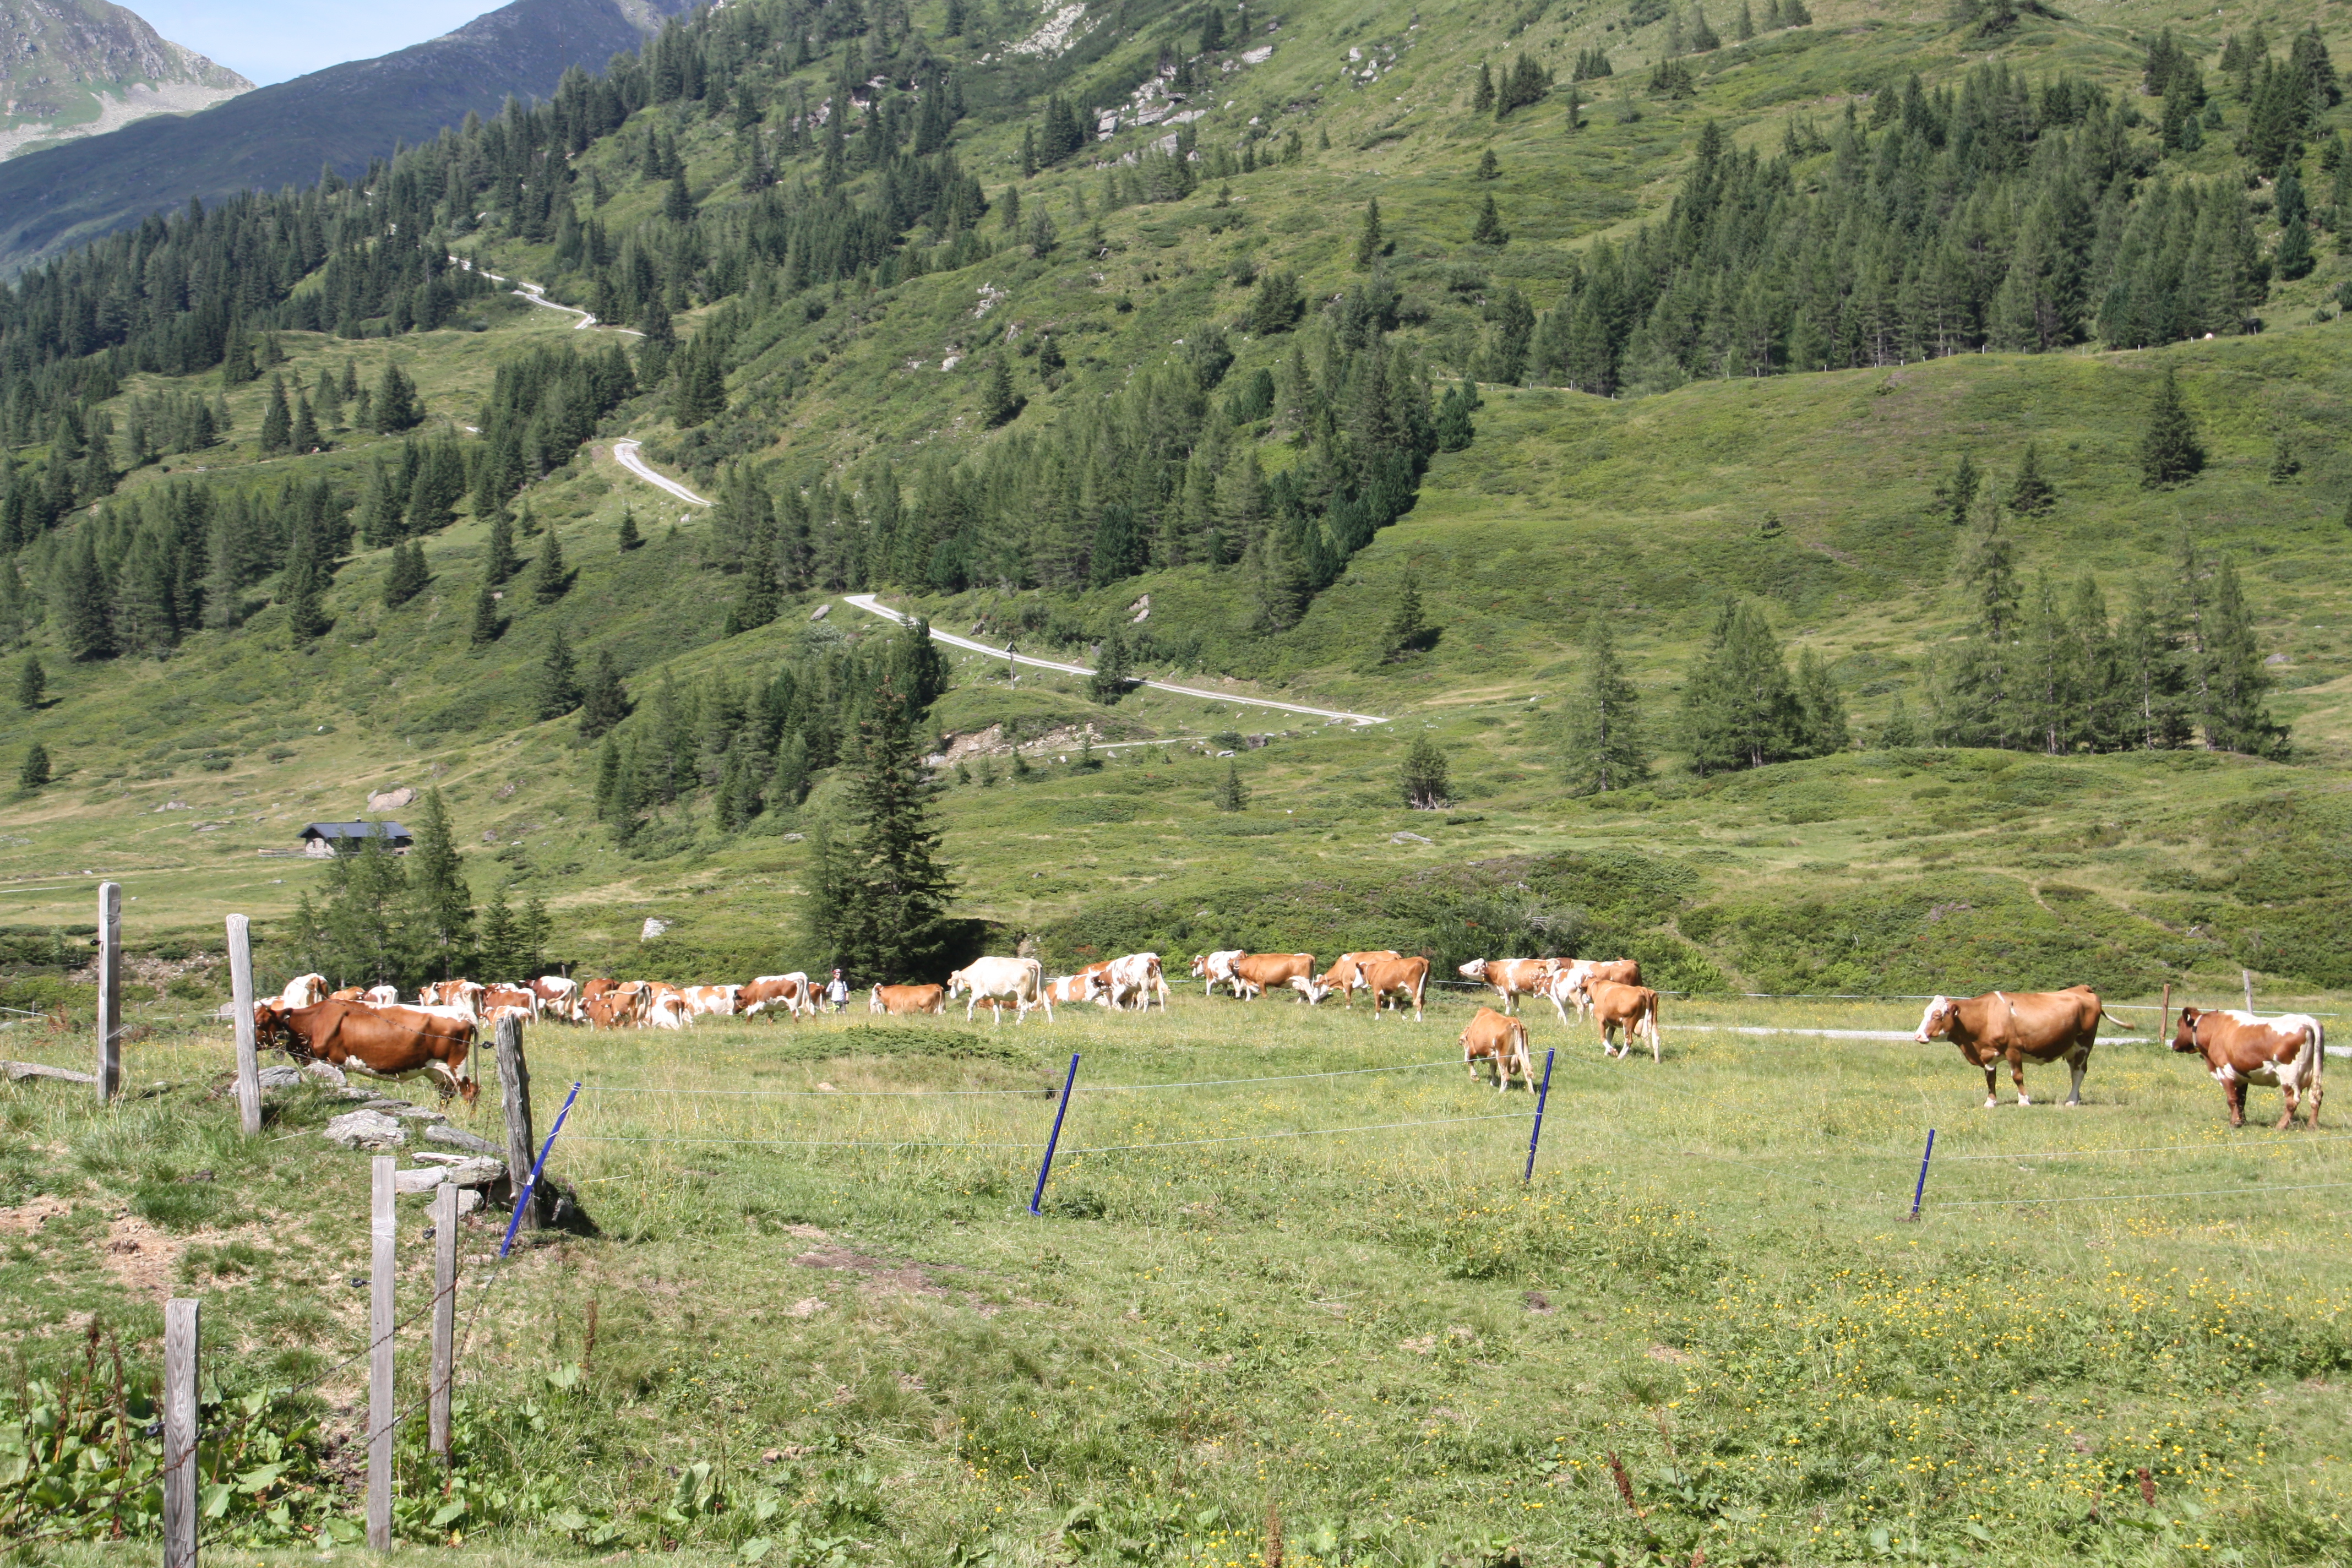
x: 27, y: 1217
x: 878, y: 1274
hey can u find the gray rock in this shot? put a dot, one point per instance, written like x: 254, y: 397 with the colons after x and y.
x: 381, y: 1102
x: 280, y: 1075
x: 473, y: 1173
x: 653, y: 928
x: 458, y: 1138
x: 364, y: 1129
x: 1407, y: 838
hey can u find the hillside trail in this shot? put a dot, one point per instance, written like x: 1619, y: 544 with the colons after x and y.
x: 625, y: 452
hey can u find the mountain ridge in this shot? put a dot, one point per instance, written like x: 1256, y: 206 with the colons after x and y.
x: 83, y: 67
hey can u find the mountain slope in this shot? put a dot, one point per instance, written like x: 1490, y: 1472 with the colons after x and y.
x: 282, y: 134
x: 82, y: 67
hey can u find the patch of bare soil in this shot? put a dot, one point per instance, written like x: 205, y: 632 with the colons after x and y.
x: 879, y: 1275
x: 28, y: 1218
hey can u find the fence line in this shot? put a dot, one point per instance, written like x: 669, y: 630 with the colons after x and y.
x: 2156, y: 1148
x: 2126, y: 1197
x: 1301, y: 1132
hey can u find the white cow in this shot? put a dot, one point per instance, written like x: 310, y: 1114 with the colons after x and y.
x: 668, y: 1011
x: 1217, y: 969
x: 1136, y: 976
x: 792, y: 991
x: 383, y: 997
x: 717, y: 1001
x: 1020, y: 981
x: 304, y: 991
x: 1070, y: 989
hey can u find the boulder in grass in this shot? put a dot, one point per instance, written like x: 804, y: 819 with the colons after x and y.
x: 458, y: 1138
x: 364, y: 1129
x: 473, y: 1173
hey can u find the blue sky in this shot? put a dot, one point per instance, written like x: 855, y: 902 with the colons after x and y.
x: 269, y: 40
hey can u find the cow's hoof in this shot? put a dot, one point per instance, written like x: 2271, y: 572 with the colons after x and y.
x: 2022, y: 1101
x: 1990, y: 1104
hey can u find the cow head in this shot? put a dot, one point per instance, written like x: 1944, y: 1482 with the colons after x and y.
x: 874, y: 1002
x: 1473, y: 970
x: 1313, y: 990
x: 1200, y: 966
x: 1936, y: 1019
x: 2184, y: 1038
x: 956, y: 983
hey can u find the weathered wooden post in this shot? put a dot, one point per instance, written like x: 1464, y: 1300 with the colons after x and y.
x: 180, y: 1322
x: 381, y: 1269
x: 109, y: 991
x: 240, y: 990
x: 2165, y: 1031
x: 2247, y: 975
x: 514, y: 1094
x: 444, y: 1314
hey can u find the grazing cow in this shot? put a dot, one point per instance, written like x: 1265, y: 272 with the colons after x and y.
x: 1084, y: 986
x: 2285, y: 1052
x: 2021, y: 1026
x: 347, y: 993
x: 1255, y: 974
x: 1136, y: 976
x: 713, y: 1001
x: 1571, y: 983
x: 385, y: 1042
x: 1512, y: 978
x: 303, y: 991
x: 666, y: 1009
x: 558, y: 998
x: 1634, y: 1008
x: 597, y: 987
x: 1501, y: 1040
x: 898, y: 1000
x: 1020, y: 981
x: 465, y: 994
x: 793, y: 992
x: 1215, y: 969
x: 1347, y: 972
x: 493, y: 1017
x: 1402, y: 978
x: 496, y: 997
x: 614, y: 1009
x: 384, y: 995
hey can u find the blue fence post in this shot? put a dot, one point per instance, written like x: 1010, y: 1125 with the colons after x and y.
x: 1541, y: 1095
x: 1920, y: 1190
x: 1055, y: 1136
x: 531, y: 1186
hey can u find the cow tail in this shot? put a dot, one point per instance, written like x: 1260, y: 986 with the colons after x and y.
x: 2313, y: 1055
x: 2118, y: 1023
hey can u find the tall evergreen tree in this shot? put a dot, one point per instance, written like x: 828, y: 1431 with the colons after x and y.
x: 1959, y: 495
x: 445, y: 905
x: 2169, y: 452
x: 2029, y: 492
x: 628, y: 538
x: 502, y: 954
x: 300, y: 589
x: 1369, y: 241
x: 1739, y: 710
x: 396, y: 407
x: 547, y: 578
x: 1601, y: 729
x: 34, y: 774
x: 701, y: 392
x: 500, y: 561
x: 558, y: 680
x: 1489, y: 227
x: 881, y: 904
x: 998, y: 402
x: 486, y: 623
x: 304, y: 437
x: 1481, y: 95
x: 1113, y: 673
x: 32, y: 680
x: 2235, y: 717
x: 83, y: 619
x: 1230, y: 793
x: 1408, y: 629
x: 406, y: 575
x: 276, y: 419
x: 1424, y: 778
x: 604, y: 701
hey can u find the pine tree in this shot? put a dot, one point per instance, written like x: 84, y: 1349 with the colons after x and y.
x: 1821, y: 727
x: 761, y: 600
x: 486, y: 624
x: 1369, y: 243
x: 999, y: 403
x: 2029, y: 492
x: 1601, y: 729
x: 1898, y: 731
x: 2295, y: 257
x: 1230, y: 793
x: 503, y: 958
x: 1113, y: 673
x: 1959, y: 496
x: 276, y: 419
x: 445, y: 905
x: 2170, y: 453
x: 300, y: 587
x: 1277, y: 304
x: 605, y: 700
x: 1745, y: 28
x: 1489, y: 229
x: 500, y: 561
x: 1213, y: 31
x: 2235, y: 718
x: 1408, y: 629
x: 396, y: 406
x: 548, y: 579
x: 1488, y: 167
x: 406, y: 575
x: 1739, y: 710
x: 1423, y: 778
x: 628, y: 537
x: 1482, y: 97
x: 701, y: 391
x: 32, y: 680
x: 306, y: 425
x: 880, y: 904
x: 34, y: 774
x: 678, y: 202
x: 2286, y: 462
x: 558, y: 680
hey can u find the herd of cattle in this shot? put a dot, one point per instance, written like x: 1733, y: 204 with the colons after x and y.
x: 370, y: 1028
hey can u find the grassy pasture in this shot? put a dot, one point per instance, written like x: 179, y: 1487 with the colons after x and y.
x: 874, y: 1351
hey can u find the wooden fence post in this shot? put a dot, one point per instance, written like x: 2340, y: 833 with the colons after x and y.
x: 2165, y: 1030
x: 382, y: 1268
x: 180, y: 1322
x: 240, y: 990
x: 109, y: 991
x: 444, y: 1314
x: 514, y: 1094
x: 2247, y: 975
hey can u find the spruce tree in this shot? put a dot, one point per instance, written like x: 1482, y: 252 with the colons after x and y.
x: 1961, y: 494
x: 1113, y: 673
x: 1489, y: 228
x: 1898, y: 731
x: 1601, y: 730
x: 2295, y: 257
x: 300, y: 587
x: 1488, y: 169
x: 1423, y: 778
x: 2170, y: 453
x: 548, y: 579
x: 499, y: 562
x: 998, y: 402
x: 558, y: 680
x: 1739, y: 710
x: 534, y: 927
x: 628, y: 538
x: 503, y: 959
x: 1230, y: 793
x: 678, y: 202
x: 32, y: 680
x: 1821, y: 727
x: 1408, y: 629
x: 406, y: 575
x: 2235, y: 718
x: 761, y: 600
x: 486, y: 624
x: 1482, y: 96
x: 701, y: 391
x: 444, y: 906
x: 396, y: 407
x: 604, y: 702
x: 306, y: 425
x: 34, y: 774
x: 1369, y: 243
x: 276, y: 419
x: 881, y: 900
x: 2029, y: 492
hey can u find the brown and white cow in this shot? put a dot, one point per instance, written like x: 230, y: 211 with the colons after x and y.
x: 466, y: 994
x: 791, y: 992
x: 1633, y: 1008
x: 1346, y: 974
x: 712, y: 1001
x: 618, y: 1006
x: 1512, y: 978
x: 1215, y: 969
x: 1135, y: 977
x: 384, y: 995
x: 2021, y: 1026
x: 1502, y: 1040
x: 1571, y: 981
x: 1255, y: 974
x: 1084, y: 986
x: 349, y: 994
x: 496, y: 997
x: 900, y: 1000
x: 2285, y: 1052
x: 558, y: 998
x: 1020, y: 981
x: 1403, y: 978
x: 385, y: 1042
x: 303, y: 991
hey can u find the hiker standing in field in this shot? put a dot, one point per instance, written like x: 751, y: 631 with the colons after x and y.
x: 837, y: 992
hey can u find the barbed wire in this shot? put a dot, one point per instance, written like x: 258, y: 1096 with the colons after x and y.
x: 1301, y: 1132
